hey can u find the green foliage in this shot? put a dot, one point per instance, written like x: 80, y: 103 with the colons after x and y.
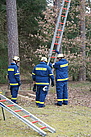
x: 29, y: 13
x: 72, y: 27
x: 3, y: 37
x: 36, y: 25
x: 3, y: 65
x: 3, y: 41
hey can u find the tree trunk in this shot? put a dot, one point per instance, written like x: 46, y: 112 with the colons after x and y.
x: 12, y: 29
x: 89, y: 3
x: 57, y: 3
x: 82, y: 72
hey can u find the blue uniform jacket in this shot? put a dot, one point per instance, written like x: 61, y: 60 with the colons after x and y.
x: 61, y: 70
x: 42, y: 74
x: 13, y: 75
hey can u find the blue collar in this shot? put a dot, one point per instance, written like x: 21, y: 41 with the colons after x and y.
x: 13, y: 63
x: 42, y: 62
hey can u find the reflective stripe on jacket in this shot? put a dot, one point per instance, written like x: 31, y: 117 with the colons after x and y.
x: 61, y: 68
x: 42, y: 74
x: 13, y: 75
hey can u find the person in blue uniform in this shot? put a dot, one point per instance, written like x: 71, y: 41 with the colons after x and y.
x: 34, y: 85
x: 61, y: 68
x: 41, y: 76
x: 14, y: 78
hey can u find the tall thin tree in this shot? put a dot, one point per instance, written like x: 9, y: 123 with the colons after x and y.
x: 12, y: 29
x: 57, y: 3
x: 82, y: 73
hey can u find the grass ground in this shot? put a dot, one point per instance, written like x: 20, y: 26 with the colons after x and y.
x: 73, y: 120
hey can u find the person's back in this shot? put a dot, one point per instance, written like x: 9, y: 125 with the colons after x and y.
x: 41, y: 76
x: 14, y: 78
x: 13, y: 74
x: 61, y: 70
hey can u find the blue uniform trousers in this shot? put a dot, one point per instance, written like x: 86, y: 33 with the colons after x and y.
x: 62, y: 93
x: 40, y: 96
x: 14, y: 93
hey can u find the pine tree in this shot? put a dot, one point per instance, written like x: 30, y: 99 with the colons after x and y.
x: 12, y: 29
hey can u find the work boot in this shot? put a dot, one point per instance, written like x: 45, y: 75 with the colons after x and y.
x: 41, y: 106
x: 64, y: 104
x: 58, y: 104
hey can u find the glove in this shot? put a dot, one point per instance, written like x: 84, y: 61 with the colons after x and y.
x: 34, y: 87
x: 45, y: 88
x: 53, y: 65
x: 52, y: 83
x: 57, y: 51
x: 19, y: 83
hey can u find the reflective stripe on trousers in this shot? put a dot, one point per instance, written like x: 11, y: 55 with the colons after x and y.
x: 14, y: 93
x: 40, y: 96
x: 62, y: 92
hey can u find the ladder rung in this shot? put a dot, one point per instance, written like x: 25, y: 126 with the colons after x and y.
x: 65, y: 8
x: 59, y: 30
x: 63, y: 16
x: 53, y: 57
x: 61, y: 23
x: 26, y: 116
x: 57, y: 37
x: 23, y: 118
x: 56, y: 44
x: 10, y: 105
x: 3, y: 100
x: 66, y: 1
x: 35, y: 121
x: 18, y: 110
x: 43, y: 127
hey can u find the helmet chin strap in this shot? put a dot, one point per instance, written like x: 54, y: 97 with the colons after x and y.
x: 15, y: 62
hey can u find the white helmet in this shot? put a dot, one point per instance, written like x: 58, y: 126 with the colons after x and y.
x: 16, y: 58
x: 60, y: 56
x: 44, y: 59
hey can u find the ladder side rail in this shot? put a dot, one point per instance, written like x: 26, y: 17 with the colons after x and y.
x: 26, y: 121
x: 56, y: 28
x: 23, y: 110
x: 60, y: 39
x: 40, y: 121
x: 31, y: 115
x: 2, y: 111
x: 1, y: 96
x: 9, y: 101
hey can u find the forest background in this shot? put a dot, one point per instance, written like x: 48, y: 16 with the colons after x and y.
x: 36, y: 25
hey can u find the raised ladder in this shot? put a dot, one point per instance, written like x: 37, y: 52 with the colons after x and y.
x: 18, y: 111
x: 60, y: 25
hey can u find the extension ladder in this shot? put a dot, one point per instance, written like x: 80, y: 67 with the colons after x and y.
x: 14, y: 108
x: 57, y: 38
